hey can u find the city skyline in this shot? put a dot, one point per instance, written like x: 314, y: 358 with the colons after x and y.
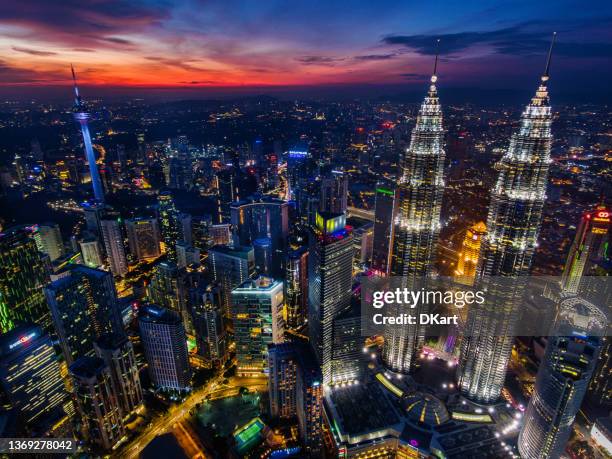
x: 416, y: 276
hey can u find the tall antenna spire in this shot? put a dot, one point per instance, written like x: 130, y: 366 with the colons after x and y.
x: 546, y: 75
x: 434, y: 77
x: 77, y: 97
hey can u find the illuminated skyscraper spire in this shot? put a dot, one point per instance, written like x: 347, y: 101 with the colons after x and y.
x: 513, y: 224
x: 82, y: 116
x: 417, y: 224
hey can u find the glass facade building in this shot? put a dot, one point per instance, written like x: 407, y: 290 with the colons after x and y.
x: 165, y: 348
x: 562, y: 380
x: 23, y: 273
x: 118, y: 355
x: 30, y: 375
x: 263, y: 218
x: 97, y: 403
x: 84, y: 307
x: 258, y: 321
x: 330, y: 276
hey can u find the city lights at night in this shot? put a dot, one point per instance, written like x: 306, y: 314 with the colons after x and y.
x: 337, y: 229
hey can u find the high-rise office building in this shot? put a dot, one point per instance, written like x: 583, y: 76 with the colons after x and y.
x: 296, y: 390
x: 467, y: 261
x: 297, y: 158
x: 385, y: 211
x: 258, y: 321
x: 263, y: 217
x: 83, y: 306
x: 93, y: 213
x: 185, y: 228
x: 211, y: 337
x: 282, y: 380
x: 186, y: 255
x: 309, y: 401
x: 513, y: 225
x: 230, y: 266
x: 30, y: 376
x: 363, y: 239
x: 417, y: 225
x: 164, y: 287
x: 562, y: 381
x: 347, y: 345
x: 118, y: 355
x: 97, y: 403
x: 113, y: 245
x: 330, y: 274
x: 23, y: 274
x: 49, y: 240
x: 82, y: 116
x: 181, y: 170
x: 296, y: 287
x: 227, y: 192
x: 169, y: 223
x: 91, y: 252
x: 600, y: 388
x: 262, y: 251
x: 169, y: 289
x: 122, y: 162
x: 307, y: 197
x: 165, y: 348
x: 591, y: 244
x: 202, y: 232
x: 143, y: 237
x: 221, y: 234
x: 106, y: 177
x: 334, y: 193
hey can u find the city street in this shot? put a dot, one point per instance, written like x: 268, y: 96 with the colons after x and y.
x: 171, y: 421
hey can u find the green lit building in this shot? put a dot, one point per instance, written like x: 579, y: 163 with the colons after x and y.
x: 23, y: 273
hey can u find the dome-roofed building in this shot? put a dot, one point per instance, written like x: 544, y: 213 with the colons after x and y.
x: 422, y: 408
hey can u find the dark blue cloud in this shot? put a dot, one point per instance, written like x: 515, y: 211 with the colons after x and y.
x: 319, y: 60
x: 79, y: 23
x: 522, y: 39
x: 376, y: 57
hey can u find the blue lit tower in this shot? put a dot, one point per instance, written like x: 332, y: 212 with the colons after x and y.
x: 513, y: 223
x: 82, y: 116
x: 417, y: 221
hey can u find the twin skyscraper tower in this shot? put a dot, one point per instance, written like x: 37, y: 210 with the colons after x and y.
x: 513, y: 223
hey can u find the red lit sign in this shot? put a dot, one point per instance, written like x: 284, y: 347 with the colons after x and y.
x: 22, y: 340
x: 602, y: 216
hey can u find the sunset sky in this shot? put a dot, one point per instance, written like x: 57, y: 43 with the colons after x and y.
x: 173, y: 44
